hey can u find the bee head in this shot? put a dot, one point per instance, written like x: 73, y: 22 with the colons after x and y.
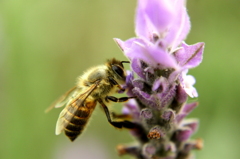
x: 117, y: 69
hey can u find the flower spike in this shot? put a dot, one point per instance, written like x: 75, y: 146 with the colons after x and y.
x: 160, y: 60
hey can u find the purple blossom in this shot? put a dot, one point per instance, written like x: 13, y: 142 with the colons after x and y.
x: 160, y: 60
x: 163, y: 22
x: 152, y: 54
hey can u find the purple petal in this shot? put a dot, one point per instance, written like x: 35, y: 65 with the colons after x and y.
x: 152, y: 55
x: 120, y: 43
x: 125, y: 45
x: 129, y: 78
x: 187, y: 108
x: 153, y: 17
x: 129, y: 85
x: 136, y: 67
x: 180, y: 117
x: 160, y: 58
x: 180, y: 27
x: 190, y: 56
x: 191, y: 123
x: 132, y: 47
x: 183, y: 134
x: 181, y: 95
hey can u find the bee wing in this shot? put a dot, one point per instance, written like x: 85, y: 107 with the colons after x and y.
x: 62, y: 100
x: 78, y: 100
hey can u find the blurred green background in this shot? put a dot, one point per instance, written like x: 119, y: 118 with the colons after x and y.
x: 45, y: 45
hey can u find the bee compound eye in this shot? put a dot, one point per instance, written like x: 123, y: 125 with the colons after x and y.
x: 117, y: 70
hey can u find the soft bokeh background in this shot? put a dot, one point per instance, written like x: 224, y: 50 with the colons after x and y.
x: 45, y: 45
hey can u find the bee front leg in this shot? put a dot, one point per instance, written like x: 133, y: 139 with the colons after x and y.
x: 113, y: 82
x: 115, y: 99
x: 118, y: 124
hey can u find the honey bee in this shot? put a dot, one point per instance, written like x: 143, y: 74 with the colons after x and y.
x: 95, y: 86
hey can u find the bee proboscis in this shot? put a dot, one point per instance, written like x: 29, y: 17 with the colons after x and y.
x: 95, y: 86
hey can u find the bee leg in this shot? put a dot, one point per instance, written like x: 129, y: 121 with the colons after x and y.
x: 118, y: 124
x: 115, y: 99
x: 113, y: 82
x: 121, y: 116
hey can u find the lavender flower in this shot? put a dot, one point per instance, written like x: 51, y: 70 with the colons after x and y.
x: 160, y: 60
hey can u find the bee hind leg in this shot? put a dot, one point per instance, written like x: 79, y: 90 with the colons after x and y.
x: 121, y: 116
x: 122, y: 99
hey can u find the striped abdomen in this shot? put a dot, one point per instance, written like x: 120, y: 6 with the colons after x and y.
x: 76, y: 119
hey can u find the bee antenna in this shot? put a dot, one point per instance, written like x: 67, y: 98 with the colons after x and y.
x: 124, y: 62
